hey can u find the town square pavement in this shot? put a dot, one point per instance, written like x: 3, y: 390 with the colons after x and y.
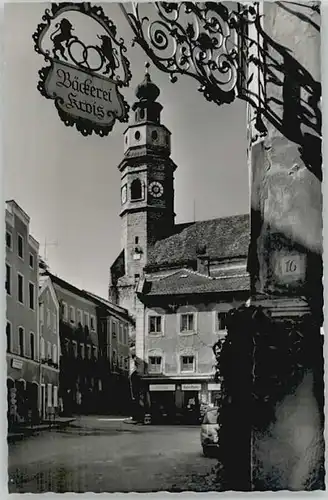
x: 103, y: 454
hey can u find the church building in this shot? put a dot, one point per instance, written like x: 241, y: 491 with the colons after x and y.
x: 178, y: 281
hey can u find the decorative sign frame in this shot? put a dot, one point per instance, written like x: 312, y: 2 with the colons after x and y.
x: 85, y: 94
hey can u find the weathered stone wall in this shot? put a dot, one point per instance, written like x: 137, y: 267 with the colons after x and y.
x: 286, y: 205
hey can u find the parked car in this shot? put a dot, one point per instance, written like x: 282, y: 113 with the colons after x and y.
x: 209, y: 432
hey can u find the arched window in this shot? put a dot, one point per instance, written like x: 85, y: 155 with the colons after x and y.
x: 136, y: 190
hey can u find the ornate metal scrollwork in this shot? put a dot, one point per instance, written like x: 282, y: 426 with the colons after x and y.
x: 83, y: 78
x: 201, y: 40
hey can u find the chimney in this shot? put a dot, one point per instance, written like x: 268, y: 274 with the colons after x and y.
x: 203, y: 260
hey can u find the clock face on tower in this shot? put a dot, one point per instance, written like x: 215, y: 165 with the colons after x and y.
x: 156, y: 189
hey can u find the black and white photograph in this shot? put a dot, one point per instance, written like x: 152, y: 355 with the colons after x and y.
x: 164, y: 292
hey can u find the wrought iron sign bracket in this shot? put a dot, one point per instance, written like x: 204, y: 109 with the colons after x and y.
x: 202, y: 40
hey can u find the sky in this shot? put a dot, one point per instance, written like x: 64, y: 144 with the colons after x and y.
x: 70, y: 185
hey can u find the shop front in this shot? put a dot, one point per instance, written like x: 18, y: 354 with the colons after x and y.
x: 178, y: 402
x: 22, y: 390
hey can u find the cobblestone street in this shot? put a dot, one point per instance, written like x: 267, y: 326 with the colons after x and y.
x: 101, y: 455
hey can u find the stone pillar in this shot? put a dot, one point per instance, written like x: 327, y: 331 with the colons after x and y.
x: 286, y: 230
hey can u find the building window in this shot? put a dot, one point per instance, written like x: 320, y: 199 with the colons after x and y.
x: 49, y: 350
x: 187, y: 323
x: 72, y: 314
x: 74, y: 344
x: 20, y: 246
x: 9, y: 240
x: 48, y: 318
x: 120, y: 335
x: 64, y: 311
x: 79, y: 317
x: 54, y: 354
x: 49, y: 395
x: 42, y: 313
x: 86, y: 320
x: 155, y: 324
x: 222, y: 320
x: 8, y: 279
x: 89, y: 351
x: 21, y: 341
x: 136, y: 189
x: 8, y: 334
x: 54, y: 323
x: 31, y: 294
x: 94, y: 352
x: 125, y: 335
x: 31, y: 257
x: 92, y: 323
x: 114, y: 358
x: 20, y: 280
x: 187, y: 363
x: 55, y: 396
x: 82, y: 351
x: 114, y: 329
x: 32, y: 345
x: 155, y: 364
x: 42, y: 348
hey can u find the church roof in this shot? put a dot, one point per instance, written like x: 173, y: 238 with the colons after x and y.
x: 224, y: 238
x: 186, y: 281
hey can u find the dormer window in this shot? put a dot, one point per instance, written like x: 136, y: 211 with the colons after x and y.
x: 136, y: 190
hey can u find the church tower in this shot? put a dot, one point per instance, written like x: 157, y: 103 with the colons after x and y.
x: 147, y: 175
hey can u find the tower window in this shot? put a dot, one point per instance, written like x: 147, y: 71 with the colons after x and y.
x: 142, y: 114
x: 136, y: 240
x: 154, y: 135
x: 136, y: 190
x: 137, y: 135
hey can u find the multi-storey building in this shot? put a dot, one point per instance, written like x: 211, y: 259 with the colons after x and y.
x: 176, y: 280
x: 49, y: 348
x: 23, y: 374
x: 94, y: 350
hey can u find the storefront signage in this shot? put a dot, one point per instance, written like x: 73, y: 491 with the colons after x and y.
x: 87, y: 66
x: 161, y: 387
x: 191, y: 387
x: 17, y: 363
x: 214, y: 387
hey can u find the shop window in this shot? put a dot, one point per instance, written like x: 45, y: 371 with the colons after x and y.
x: 187, y: 322
x: 155, y: 324
x: 222, y: 320
x: 21, y: 340
x: 136, y: 189
x: 155, y: 364
x: 187, y: 363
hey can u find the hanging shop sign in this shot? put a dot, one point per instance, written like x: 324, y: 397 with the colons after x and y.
x: 87, y: 66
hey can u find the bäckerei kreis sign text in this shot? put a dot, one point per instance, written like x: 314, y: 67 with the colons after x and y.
x: 83, y: 78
